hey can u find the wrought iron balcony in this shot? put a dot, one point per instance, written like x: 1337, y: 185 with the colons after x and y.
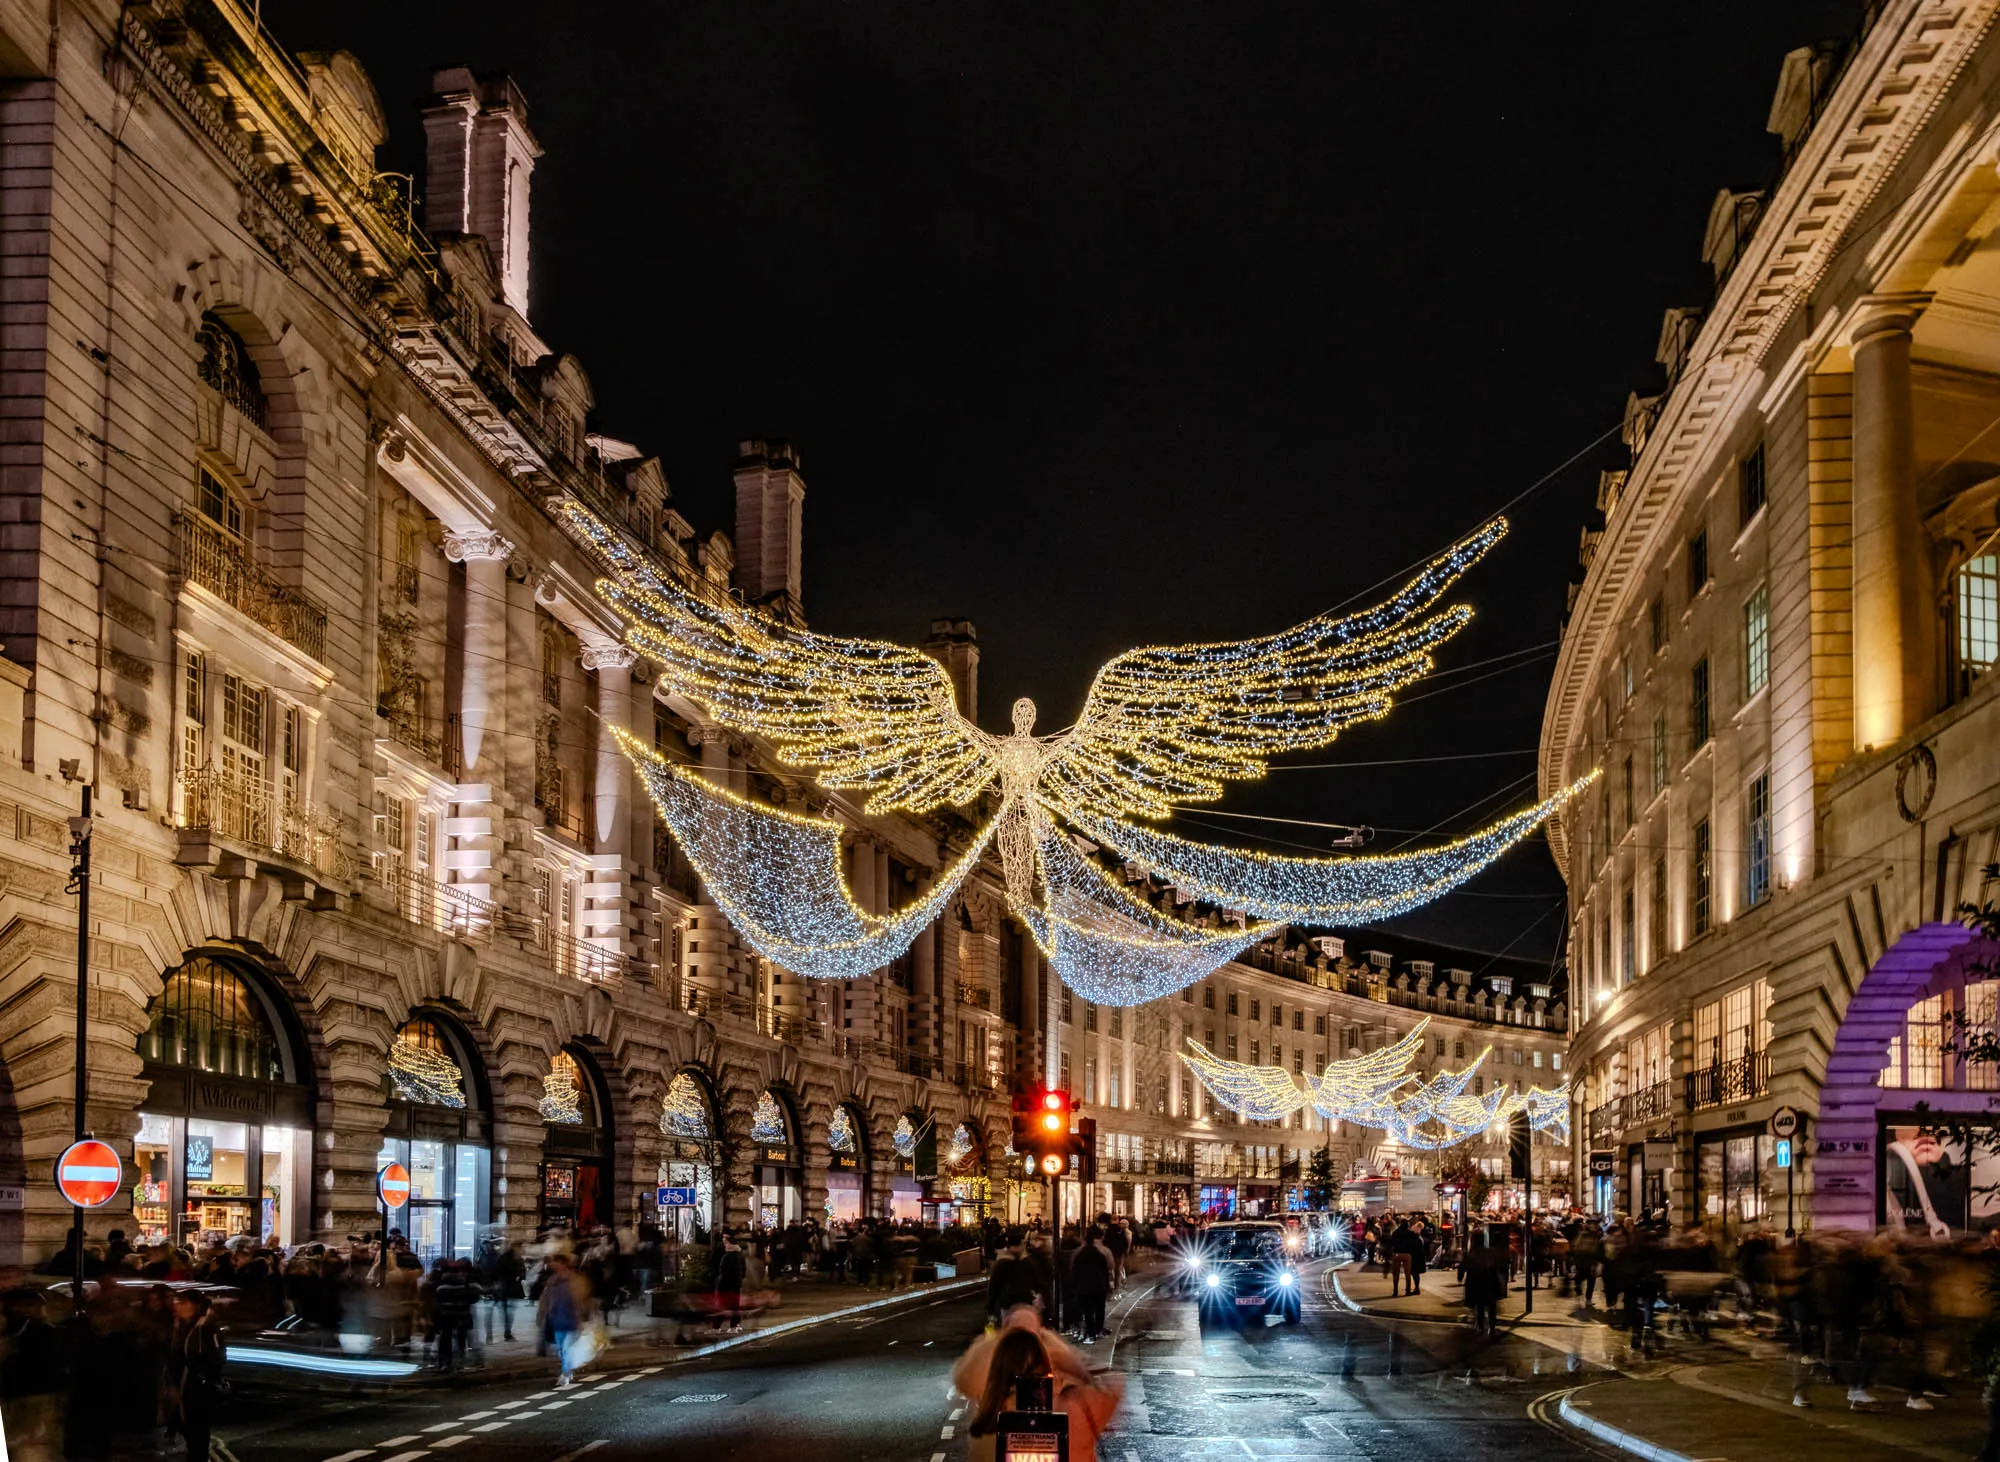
x: 1729, y: 1081
x: 976, y: 996
x: 1650, y: 1104
x: 216, y: 561
x: 252, y: 813
x: 446, y: 907
x: 1603, y: 1123
x: 578, y: 958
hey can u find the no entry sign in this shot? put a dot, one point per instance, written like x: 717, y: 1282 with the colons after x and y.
x: 89, y: 1173
x: 393, y: 1183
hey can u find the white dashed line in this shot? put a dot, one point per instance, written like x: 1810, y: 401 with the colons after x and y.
x: 443, y: 1426
x: 405, y: 1457
x: 475, y: 1416
x: 944, y: 1434
x: 399, y: 1441
x: 558, y: 1405
x: 493, y: 1426
x: 937, y: 1457
x: 449, y: 1441
x: 540, y: 1394
x: 956, y: 1413
x: 586, y: 1447
x: 650, y: 1371
x: 352, y: 1456
x: 510, y: 1405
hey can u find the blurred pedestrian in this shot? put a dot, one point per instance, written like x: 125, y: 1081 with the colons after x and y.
x: 194, y: 1369
x: 986, y: 1374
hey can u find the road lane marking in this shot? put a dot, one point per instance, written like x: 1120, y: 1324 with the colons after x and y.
x: 956, y: 1413
x: 475, y: 1416
x: 944, y: 1434
x: 442, y: 1442
x: 540, y: 1394
x: 353, y: 1456
x: 405, y: 1456
x: 586, y: 1447
x: 399, y: 1441
x: 509, y: 1405
x: 558, y: 1405
x: 493, y: 1426
x: 651, y: 1371
x: 937, y: 1457
x: 443, y: 1426
x: 929, y: 1343
x: 607, y: 1385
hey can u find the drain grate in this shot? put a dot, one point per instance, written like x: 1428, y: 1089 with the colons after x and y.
x: 1264, y: 1398
x: 695, y: 1398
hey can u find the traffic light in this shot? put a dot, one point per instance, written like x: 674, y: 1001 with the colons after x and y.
x: 1042, y: 1131
x: 1519, y: 1135
x: 1084, y: 1147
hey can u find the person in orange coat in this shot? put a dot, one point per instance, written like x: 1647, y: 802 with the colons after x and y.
x: 986, y: 1373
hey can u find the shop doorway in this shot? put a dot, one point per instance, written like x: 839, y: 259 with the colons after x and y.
x: 576, y: 1183
x: 780, y: 1166
x: 688, y: 1121
x: 440, y: 1130
x: 847, y: 1165
x: 224, y: 1150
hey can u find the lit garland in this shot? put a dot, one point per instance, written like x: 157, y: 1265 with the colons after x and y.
x: 840, y: 1131
x: 1161, y: 726
x: 425, y: 1074
x: 562, y: 1092
x: 961, y: 1145
x: 905, y: 1139
x: 767, y: 1122
x: 684, y: 1110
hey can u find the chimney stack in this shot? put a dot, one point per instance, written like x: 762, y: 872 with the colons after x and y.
x: 770, y: 512
x: 478, y: 157
x: 954, y: 644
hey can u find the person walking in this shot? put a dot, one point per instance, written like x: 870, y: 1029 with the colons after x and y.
x: 1022, y: 1346
x: 1090, y: 1271
x: 194, y: 1369
x: 1407, y: 1251
x: 1485, y: 1281
x: 452, y: 1299
x: 564, y: 1307
x: 730, y: 1269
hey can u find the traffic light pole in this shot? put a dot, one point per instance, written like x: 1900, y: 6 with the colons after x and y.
x: 80, y: 886
x: 1528, y: 1223
x: 1055, y: 1252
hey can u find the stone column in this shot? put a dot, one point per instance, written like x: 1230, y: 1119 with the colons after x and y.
x: 473, y: 829
x: 612, y: 664
x: 925, y: 1014
x: 1893, y: 673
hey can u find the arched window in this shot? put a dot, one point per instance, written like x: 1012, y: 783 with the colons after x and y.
x: 566, y: 1095
x: 227, y: 366
x: 424, y: 1067
x: 207, y: 1018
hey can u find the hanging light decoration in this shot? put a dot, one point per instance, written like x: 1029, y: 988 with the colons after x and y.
x: 684, y: 1110
x: 961, y: 1145
x: 1162, y: 727
x: 562, y: 1092
x: 905, y: 1139
x: 423, y: 1073
x: 767, y: 1122
x: 840, y: 1131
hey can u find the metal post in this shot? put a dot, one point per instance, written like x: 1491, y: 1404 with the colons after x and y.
x: 80, y: 885
x: 1528, y: 1220
x: 1791, y: 1169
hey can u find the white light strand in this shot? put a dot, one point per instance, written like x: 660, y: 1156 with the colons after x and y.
x: 904, y: 1139
x: 684, y: 1110
x: 425, y: 1075
x: 562, y: 1092
x: 767, y: 1123
x: 840, y: 1131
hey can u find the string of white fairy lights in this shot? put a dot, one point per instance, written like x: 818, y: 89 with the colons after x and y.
x: 1378, y: 1090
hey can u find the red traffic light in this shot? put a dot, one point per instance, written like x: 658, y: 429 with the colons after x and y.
x: 1053, y: 1100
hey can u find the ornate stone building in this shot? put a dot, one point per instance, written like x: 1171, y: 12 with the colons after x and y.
x: 371, y: 881
x: 1780, y: 655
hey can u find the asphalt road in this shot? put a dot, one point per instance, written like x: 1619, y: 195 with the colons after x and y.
x: 1333, y: 1385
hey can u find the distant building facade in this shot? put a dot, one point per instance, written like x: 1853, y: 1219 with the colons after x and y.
x: 1780, y: 656
x: 372, y: 883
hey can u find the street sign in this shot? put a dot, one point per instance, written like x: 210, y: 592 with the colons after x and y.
x: 1785, y: 1122
x: 393, y: 1183
x: 89, y: 1173
x: 1784, y: 1146
x: 677, y: 1197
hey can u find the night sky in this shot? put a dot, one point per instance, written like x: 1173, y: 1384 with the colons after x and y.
x: 1104, y: 326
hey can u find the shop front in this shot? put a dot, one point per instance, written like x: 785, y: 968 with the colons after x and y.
x: 1736, y: 1178
x: 915, y: 1141
x: 1647, y: 1165
x: 686, y: 1193
x: 224, y: 1149
x: 576, y: 1145
x: 846, y: 1166
x: 964, y: 1193
x: 779, y: 1165
x: 439, y: 1130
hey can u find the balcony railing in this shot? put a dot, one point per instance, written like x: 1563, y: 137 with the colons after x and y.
x: 410, y: 728
x: 1147, y: 1167
x: 443, y: 906
x: 1650, y: 1104
x: 252, y: 812
x: 215, y: 560
x: 1603, y: 1123
x: 976, y: 996
x: 578, y: 958
x: 1729, y: 1081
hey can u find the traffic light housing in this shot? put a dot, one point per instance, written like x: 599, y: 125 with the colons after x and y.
x: 1084, y: 1148
x: 1042, y: 1136
x: 1519, y: 1154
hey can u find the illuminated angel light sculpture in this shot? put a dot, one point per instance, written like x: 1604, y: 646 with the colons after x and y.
x: 1162, y: 727
x: 1378, y: 1089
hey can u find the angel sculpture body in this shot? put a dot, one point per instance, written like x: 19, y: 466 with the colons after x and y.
x: 1161, y: 727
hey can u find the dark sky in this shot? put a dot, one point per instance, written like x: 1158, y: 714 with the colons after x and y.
x: 1107, y: 326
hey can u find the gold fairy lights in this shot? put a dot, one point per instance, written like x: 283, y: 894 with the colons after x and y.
x: 562, y: 1092
x: 1162, y: 726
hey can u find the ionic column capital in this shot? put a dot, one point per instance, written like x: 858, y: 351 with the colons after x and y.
x: 477, y: 544
x: 608, y: 657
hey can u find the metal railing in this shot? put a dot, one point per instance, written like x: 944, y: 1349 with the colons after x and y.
x: 976, y: 996
x: 1729, y: 1081
x: 1651, y: 1103
x: 1147, y: 1167
x: 447, y: 907
x: 217, y: 562
x: 578, y: 958
x: 1603, y: 1123
x: 409, y: 727
x: 252, y: 812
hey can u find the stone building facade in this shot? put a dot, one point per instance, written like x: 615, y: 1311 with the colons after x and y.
x: 372, y: 886
x: 1780, y: 655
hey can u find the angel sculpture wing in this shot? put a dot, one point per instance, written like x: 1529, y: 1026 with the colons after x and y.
x: 1169, y: 724
x: 1261, y: 1093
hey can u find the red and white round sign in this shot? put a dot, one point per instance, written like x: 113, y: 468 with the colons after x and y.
x: 393, y: 1183
x: 89, y: 1173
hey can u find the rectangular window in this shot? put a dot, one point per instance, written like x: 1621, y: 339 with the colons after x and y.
x: 1756, y: 642
x: 1656, y: 943
x: 1750, y: 483
x: 1208, y: 997
x: 1699, y: 724
x: 1232, y: 1002
x: 1089, y: 1016
x: 1976, y: 588
x: 1659, y: 752
x: 1697, y: 563
x: 1699, y: 881
x: 1230, y: 1046
x: 1298, y: 1019
x: 1062, y: 1079
x: 218, y: 504
x: 1068, y: 1006
x: 1113, y: 1096
x: 1757, y: 841
x: 1708, y: 1035
x: 1629, y: 812
x: 1627, y: 944
x: 194, y: 710
x: 1319, y: 1025
x: 1117, y: 1023
x: 1187, y: 1100
x: 1256, y: 1053
x: 1299, y: 1062
x: 1625, y: 677
x: 1256, y: 1010
x: 1656, y: 623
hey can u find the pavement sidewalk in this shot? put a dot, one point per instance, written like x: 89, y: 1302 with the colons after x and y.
x: 1442, y: 1298
x: 637, y: 1339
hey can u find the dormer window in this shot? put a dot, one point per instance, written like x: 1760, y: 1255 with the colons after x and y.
x: 226, y: 365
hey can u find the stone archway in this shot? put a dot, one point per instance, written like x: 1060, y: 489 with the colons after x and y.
x: 1930, y: 958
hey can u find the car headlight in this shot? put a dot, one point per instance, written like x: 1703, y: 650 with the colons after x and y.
x: 1214, y: 1281
x: 1292, y: 1242
x: 1194, y: 1265
x: 1285, y: 1278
